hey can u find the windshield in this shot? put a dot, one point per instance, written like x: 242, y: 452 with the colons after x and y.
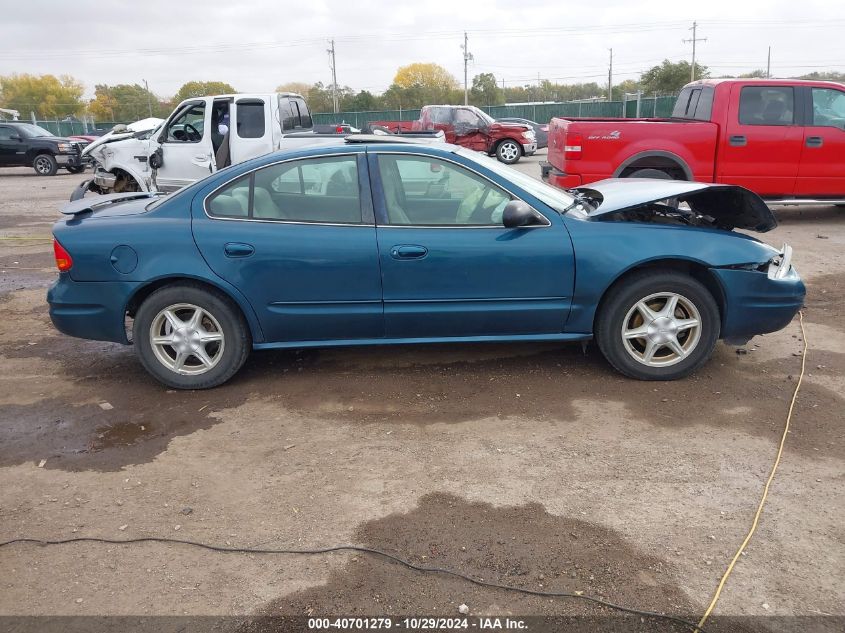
x: 557, y: 199
x: 33, y: 130
x: 484, y: 116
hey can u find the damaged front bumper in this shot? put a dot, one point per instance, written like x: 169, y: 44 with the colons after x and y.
x: 762, y: 300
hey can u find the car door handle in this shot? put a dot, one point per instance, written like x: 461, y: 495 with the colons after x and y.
x: 408, y: 251
x: 814, y: 141
x: 738, y: 140
x: 238, y: 249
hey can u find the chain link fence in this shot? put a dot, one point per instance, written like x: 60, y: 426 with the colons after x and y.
x: 540, y: 112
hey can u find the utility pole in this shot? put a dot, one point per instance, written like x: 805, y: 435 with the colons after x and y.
x: 333, y: 65
x: 149, y: 97
x: 467, y: 58
x: 694, y: 39
x: 610, y: 78
x: 769, y: 64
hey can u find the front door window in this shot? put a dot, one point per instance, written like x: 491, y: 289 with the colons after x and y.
x: 427, y: 191
x: 188, y: 125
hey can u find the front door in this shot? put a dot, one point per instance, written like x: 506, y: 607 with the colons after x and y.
x: 450, y: 268
x: 761, y: 146
x: 297, y: 239
x: 470, y: 130
x: 186, y: 146
x: 822, y: 170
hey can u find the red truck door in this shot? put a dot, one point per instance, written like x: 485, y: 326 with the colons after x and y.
x: 469, y: 130
x: 822, y: 169
x: 761, y: 143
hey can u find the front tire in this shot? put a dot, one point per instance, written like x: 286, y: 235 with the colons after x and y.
x: 508, y: 152
x: 657, y: 325
x: 45, y: 165
x: 78, y: 169
x: 190, y: 337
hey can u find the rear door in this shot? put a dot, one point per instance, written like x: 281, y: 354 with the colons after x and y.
x: 450, y: 268
x: 252, y: 132
x: 297, y: 238
x: 186, y: 144
x: 822, y: 170
x: 760, y: 148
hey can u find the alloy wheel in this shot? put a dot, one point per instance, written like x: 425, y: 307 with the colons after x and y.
x: 661, y: 329
x: 187, y: 339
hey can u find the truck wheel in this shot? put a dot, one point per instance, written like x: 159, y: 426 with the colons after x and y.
x: 650, y: 173
x: 508, y: 152
x: 657, y: 325
x: 78, y: 169
x: 45, y: 165
x: 189, y: 337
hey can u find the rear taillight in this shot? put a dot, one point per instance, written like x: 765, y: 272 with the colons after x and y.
x: 572, y: 149
x: 64, y: 261
x: 338, y: 129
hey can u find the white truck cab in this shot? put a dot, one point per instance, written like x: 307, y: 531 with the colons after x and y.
x: 202, y: 135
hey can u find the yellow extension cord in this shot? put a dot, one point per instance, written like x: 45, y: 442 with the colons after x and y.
x: 766, y: 487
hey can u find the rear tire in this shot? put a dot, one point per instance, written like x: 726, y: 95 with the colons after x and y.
x: 190, y: 337
x: 508, y: 152
x: 45, y: 165
x: 650, y: 173
x: 674, y: 314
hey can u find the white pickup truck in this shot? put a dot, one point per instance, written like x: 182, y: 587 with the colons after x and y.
x: 202, y: 135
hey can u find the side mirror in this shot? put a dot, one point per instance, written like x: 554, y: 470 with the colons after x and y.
x: 15, y: 137
x: 519, y: 214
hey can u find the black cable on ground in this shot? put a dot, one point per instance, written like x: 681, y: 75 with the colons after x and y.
x: 364, y: 550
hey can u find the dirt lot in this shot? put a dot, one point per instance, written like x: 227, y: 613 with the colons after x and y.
x: 529, y: 465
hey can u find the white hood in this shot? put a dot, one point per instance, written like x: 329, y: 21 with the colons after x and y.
x: 120, y: 132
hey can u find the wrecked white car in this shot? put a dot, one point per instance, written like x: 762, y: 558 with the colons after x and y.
x: 202, y: 135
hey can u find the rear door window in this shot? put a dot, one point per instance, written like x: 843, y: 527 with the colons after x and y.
x: 250, y: 118
x: 319, y: 190
x: 767, y: 105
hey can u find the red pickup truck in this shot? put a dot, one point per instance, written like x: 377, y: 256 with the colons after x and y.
x: 470, y: 127
x: 783, y: 139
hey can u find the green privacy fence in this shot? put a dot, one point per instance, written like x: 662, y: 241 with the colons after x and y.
x: 71, y: 127
x: 541, y: 112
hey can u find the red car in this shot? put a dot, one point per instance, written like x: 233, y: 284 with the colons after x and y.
x: 472, y: 128
x: 783, y: 139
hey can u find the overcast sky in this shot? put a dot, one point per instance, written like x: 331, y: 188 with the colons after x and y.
x: 259, y: 44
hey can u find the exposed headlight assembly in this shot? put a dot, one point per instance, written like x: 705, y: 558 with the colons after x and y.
x: 781, y: 264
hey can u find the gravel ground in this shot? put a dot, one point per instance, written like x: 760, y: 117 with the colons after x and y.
x: 529, y: 465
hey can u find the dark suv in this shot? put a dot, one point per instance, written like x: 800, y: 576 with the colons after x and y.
x: 24, y: 144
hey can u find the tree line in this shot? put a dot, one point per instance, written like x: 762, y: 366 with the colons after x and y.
x: 413, y: 86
